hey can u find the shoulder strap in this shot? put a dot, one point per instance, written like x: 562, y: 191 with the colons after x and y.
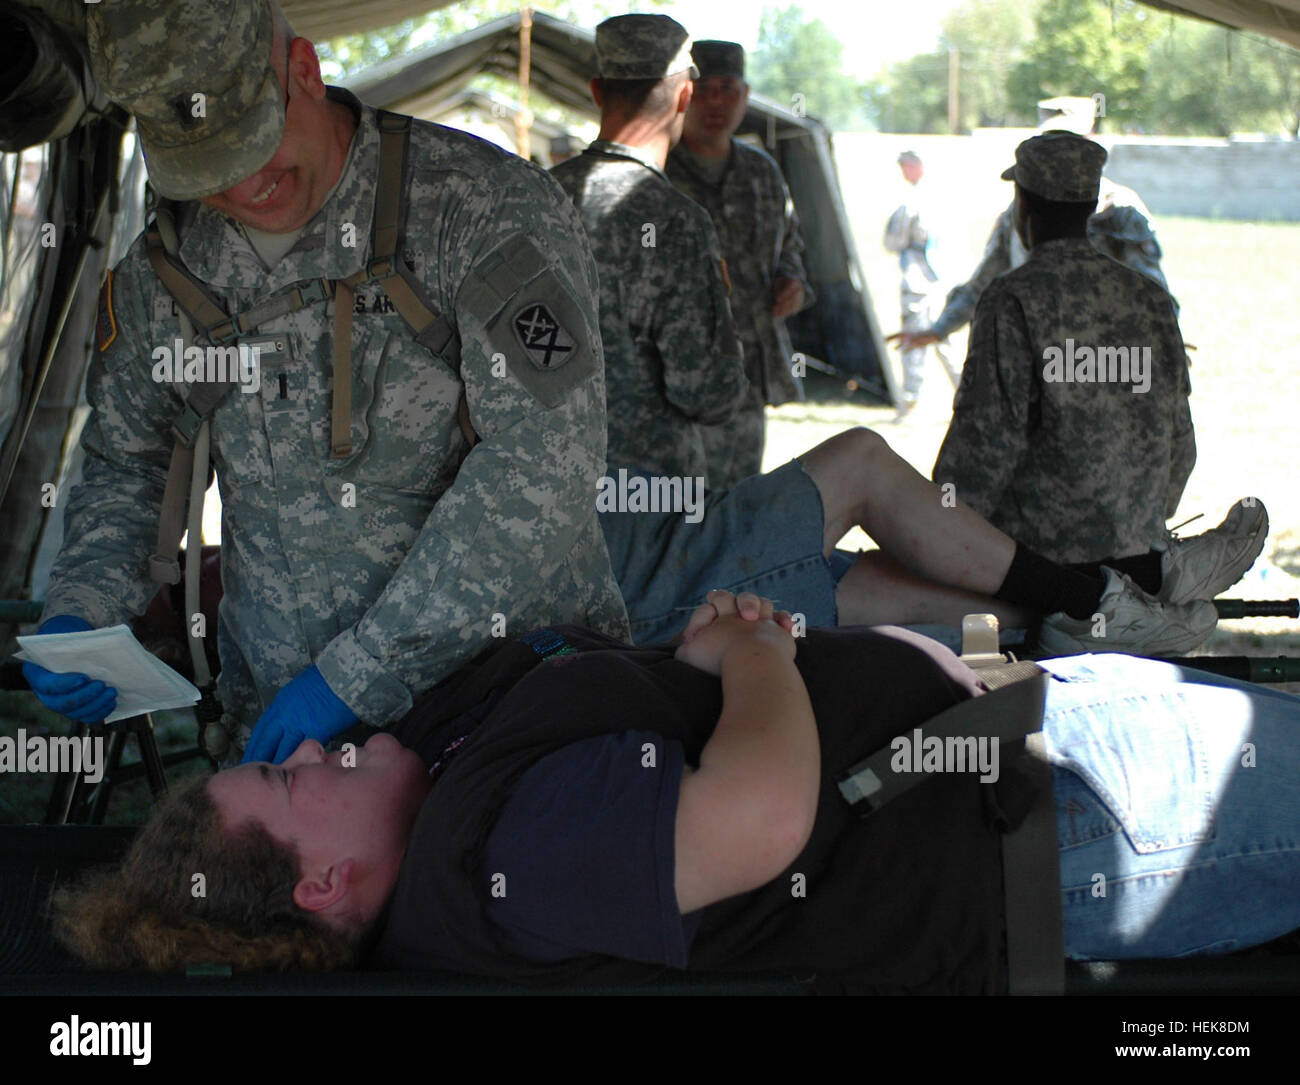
x: 432, y: 330
x: 1012, y: 710
x: 1031, y: 876
x: 203, y: 308
x: 1007, y: 714
x: 387, y: 267
x: 195, y: 300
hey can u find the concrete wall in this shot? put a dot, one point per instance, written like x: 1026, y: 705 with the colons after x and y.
x: 1195, y: 178
x: 1256, y: 181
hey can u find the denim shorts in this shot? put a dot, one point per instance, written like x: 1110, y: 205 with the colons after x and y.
x: 763, y: 535
x: 1178, y: 808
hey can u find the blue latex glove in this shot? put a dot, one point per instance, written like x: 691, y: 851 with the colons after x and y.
x: 74, y: 695
x: 305, y: 708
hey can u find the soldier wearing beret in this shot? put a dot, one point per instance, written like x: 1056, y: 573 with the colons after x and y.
x: 392, y: 495
x: 1071, y: 427
x: 745, y: 194
x: 672, y: 356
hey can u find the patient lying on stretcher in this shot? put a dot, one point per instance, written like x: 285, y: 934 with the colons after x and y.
x: 572, y: 809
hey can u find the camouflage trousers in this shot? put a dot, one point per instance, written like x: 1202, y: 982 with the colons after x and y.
x: 733, y: 450
x: 916, y: 317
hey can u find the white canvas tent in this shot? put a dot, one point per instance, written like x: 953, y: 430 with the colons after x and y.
x: 1277, y: 18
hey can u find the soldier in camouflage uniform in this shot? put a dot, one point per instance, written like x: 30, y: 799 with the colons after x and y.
x: 673, y: 359
x: 1120, y: 227
x: 1071, y: 428
x: 746, y: 196
x: 351, y: 582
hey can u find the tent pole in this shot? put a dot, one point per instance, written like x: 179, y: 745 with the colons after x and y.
x: 19, y: 434
x: 524, y: 118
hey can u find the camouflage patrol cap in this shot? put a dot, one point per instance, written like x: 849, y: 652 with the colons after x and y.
x: 198, y: 77
x: 724, y: 58
x: 1059, y: 166
x: 643, y: 47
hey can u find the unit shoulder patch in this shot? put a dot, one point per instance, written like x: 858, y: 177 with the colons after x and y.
x: 545, y: 341
x: 545, y: 337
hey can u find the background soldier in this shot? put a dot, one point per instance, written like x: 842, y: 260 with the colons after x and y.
x: 671, y: 351
x: 910, y: 233
x: 742, y: 189
x: 1120, y: 227
x: 337, y: 610
x: 1082, y: 464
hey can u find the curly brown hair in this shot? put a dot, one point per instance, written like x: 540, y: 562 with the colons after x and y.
x: 145, y: 914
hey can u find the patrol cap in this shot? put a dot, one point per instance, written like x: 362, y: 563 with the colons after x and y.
x: 1059, y: 166
x: 154, y: 57
x: 722, y: 58
x: 642, y: 47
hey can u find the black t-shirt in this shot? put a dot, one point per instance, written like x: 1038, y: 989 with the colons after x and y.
x: 545, y: 850
x: 585, y: 845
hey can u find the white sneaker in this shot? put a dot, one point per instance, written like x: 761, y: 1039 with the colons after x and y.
x: 1129, y: 620
x: 1204, y: 565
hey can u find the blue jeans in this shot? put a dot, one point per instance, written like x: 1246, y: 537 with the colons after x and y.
x: 763, y: 535
x: 1178, y: 808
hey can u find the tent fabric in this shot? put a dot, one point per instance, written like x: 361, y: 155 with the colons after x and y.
x: 320, y: 20
x: 1277, y: 18
x: 50, y: 296
x: 562, y: 64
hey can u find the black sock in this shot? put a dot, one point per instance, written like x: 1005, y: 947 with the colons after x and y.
x: 1036, y: 582
x: 1143, y: 569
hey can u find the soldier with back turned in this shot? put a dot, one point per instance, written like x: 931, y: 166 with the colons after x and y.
x: 672, y: 357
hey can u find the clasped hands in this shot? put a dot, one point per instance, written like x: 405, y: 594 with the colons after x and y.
x: 725, y: 622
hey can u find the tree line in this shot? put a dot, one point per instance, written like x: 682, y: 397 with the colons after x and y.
x: 1159, y: 73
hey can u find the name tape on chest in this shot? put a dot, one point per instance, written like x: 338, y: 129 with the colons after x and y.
x: 372, y: 301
